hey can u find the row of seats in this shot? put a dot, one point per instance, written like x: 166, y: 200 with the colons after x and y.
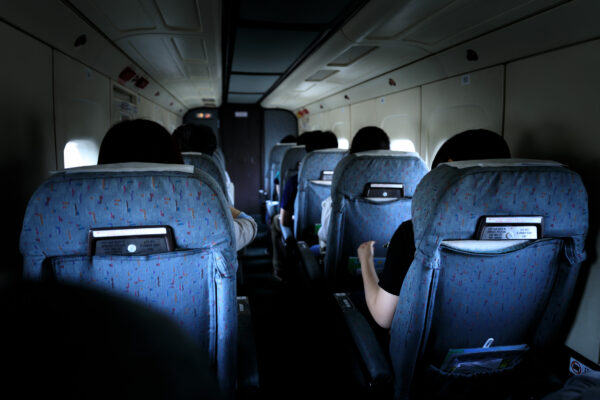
x: 460, y: 291
x: 194, y: 283
x: 215, y: 167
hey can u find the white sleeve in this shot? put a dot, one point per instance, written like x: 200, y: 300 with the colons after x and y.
x: 245, y: 230
x: 325, y: 215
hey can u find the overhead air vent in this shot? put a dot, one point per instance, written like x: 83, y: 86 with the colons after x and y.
x: 322, y: 74
x: 351, y: 55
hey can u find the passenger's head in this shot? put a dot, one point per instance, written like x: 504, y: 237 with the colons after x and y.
x: 197, y: 138
x: 289, y: 139
x: 317, y: 140
x: 370, y: 138
x: 474, y: 144
x: 138, y: 140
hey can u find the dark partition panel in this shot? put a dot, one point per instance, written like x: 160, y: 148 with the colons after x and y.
x: 242, y: 144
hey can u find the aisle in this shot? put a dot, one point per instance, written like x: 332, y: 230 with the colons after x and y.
x: 299, y: 352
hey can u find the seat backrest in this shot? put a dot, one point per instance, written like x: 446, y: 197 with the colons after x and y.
x: 289, y: 163
x: 220, y: 157
x: 356, y: 218
x: 312, y: 189
x: 275, y: 158
x: 460, y: 292
x: 195, y: 284
x: 211, y: 166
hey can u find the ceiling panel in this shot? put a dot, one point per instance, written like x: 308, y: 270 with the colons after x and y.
x: 290, y: 12
x: 126, y: 16
x: 459, y: 17
x: 190, y: 48
x: 170, y: 41
x: 408, y: 16
x: 243, y: 98
x: 321, y: 74
x: 197, y: 70
x: 180, y: 14
x: 267, y: 50
x: 155, y: 52
x: 251, y: 83
x: 351, y: 55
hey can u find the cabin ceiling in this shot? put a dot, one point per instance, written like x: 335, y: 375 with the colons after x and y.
x: 265, y: 40
x: 389, y: 34
x: 177, y: 42
x: 286, y: 54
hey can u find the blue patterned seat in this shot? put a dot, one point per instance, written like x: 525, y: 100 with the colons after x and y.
x: 220, y: 157
x: 275, y: 158
x: 355, y: 219
x: 311, y: 190
x: 289, y: 163
x: 211, y: 166
x: 458, y: 293
x: 195, y: 284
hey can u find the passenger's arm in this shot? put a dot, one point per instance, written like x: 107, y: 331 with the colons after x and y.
x: 381, y: 304
x: 286, y: 218
x: 325, y: 215
x: 244, y: 227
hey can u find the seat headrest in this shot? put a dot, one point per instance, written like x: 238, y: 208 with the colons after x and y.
x: 354, y: 171
x: 68, y: 204
x: 451, y: 199
x: 315, y: 162
x: 129, y: 167
x: 504, y: 162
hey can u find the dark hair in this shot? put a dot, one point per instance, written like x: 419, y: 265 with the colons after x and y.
x: 474, y: 144
x: 138, y: 140
x: 198, y: 138
x: 370, y: 138
x: 289, y: 139
x: 317, y: 140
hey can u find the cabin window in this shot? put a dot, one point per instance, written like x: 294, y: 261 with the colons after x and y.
x: 343, y: 144
x: 80, y: 152
x: 402, y: 145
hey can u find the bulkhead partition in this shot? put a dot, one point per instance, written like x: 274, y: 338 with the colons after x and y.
x: 458, y: 297
x: 195, y: 284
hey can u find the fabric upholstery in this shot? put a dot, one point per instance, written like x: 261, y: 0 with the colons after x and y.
x: 220, y: 157
x: 355, y: 219
x: 311, y: 194
x: 452, y: 298
x: 211, y: 166
x: 289, y: 163
x: 275, y: 157
x: 195, y: 285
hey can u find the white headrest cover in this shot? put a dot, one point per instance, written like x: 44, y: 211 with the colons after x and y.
x: 505, y: 162
x: 130, y: 167
x: 387, y: 152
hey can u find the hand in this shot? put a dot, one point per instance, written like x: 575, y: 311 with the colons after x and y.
x: 234, y: 212
x: 366, y: 251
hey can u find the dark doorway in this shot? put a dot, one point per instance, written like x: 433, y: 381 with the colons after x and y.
x: 242, y: 143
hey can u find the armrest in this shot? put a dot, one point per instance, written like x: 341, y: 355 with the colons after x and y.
x: 272, y: 208
x: 286, y: 232
x: 247, y: 360
x: 368, y: 347
x: 310, y: 263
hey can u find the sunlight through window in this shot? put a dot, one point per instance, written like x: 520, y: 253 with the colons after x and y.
x: 402, y: 145
x: 79, y: 153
